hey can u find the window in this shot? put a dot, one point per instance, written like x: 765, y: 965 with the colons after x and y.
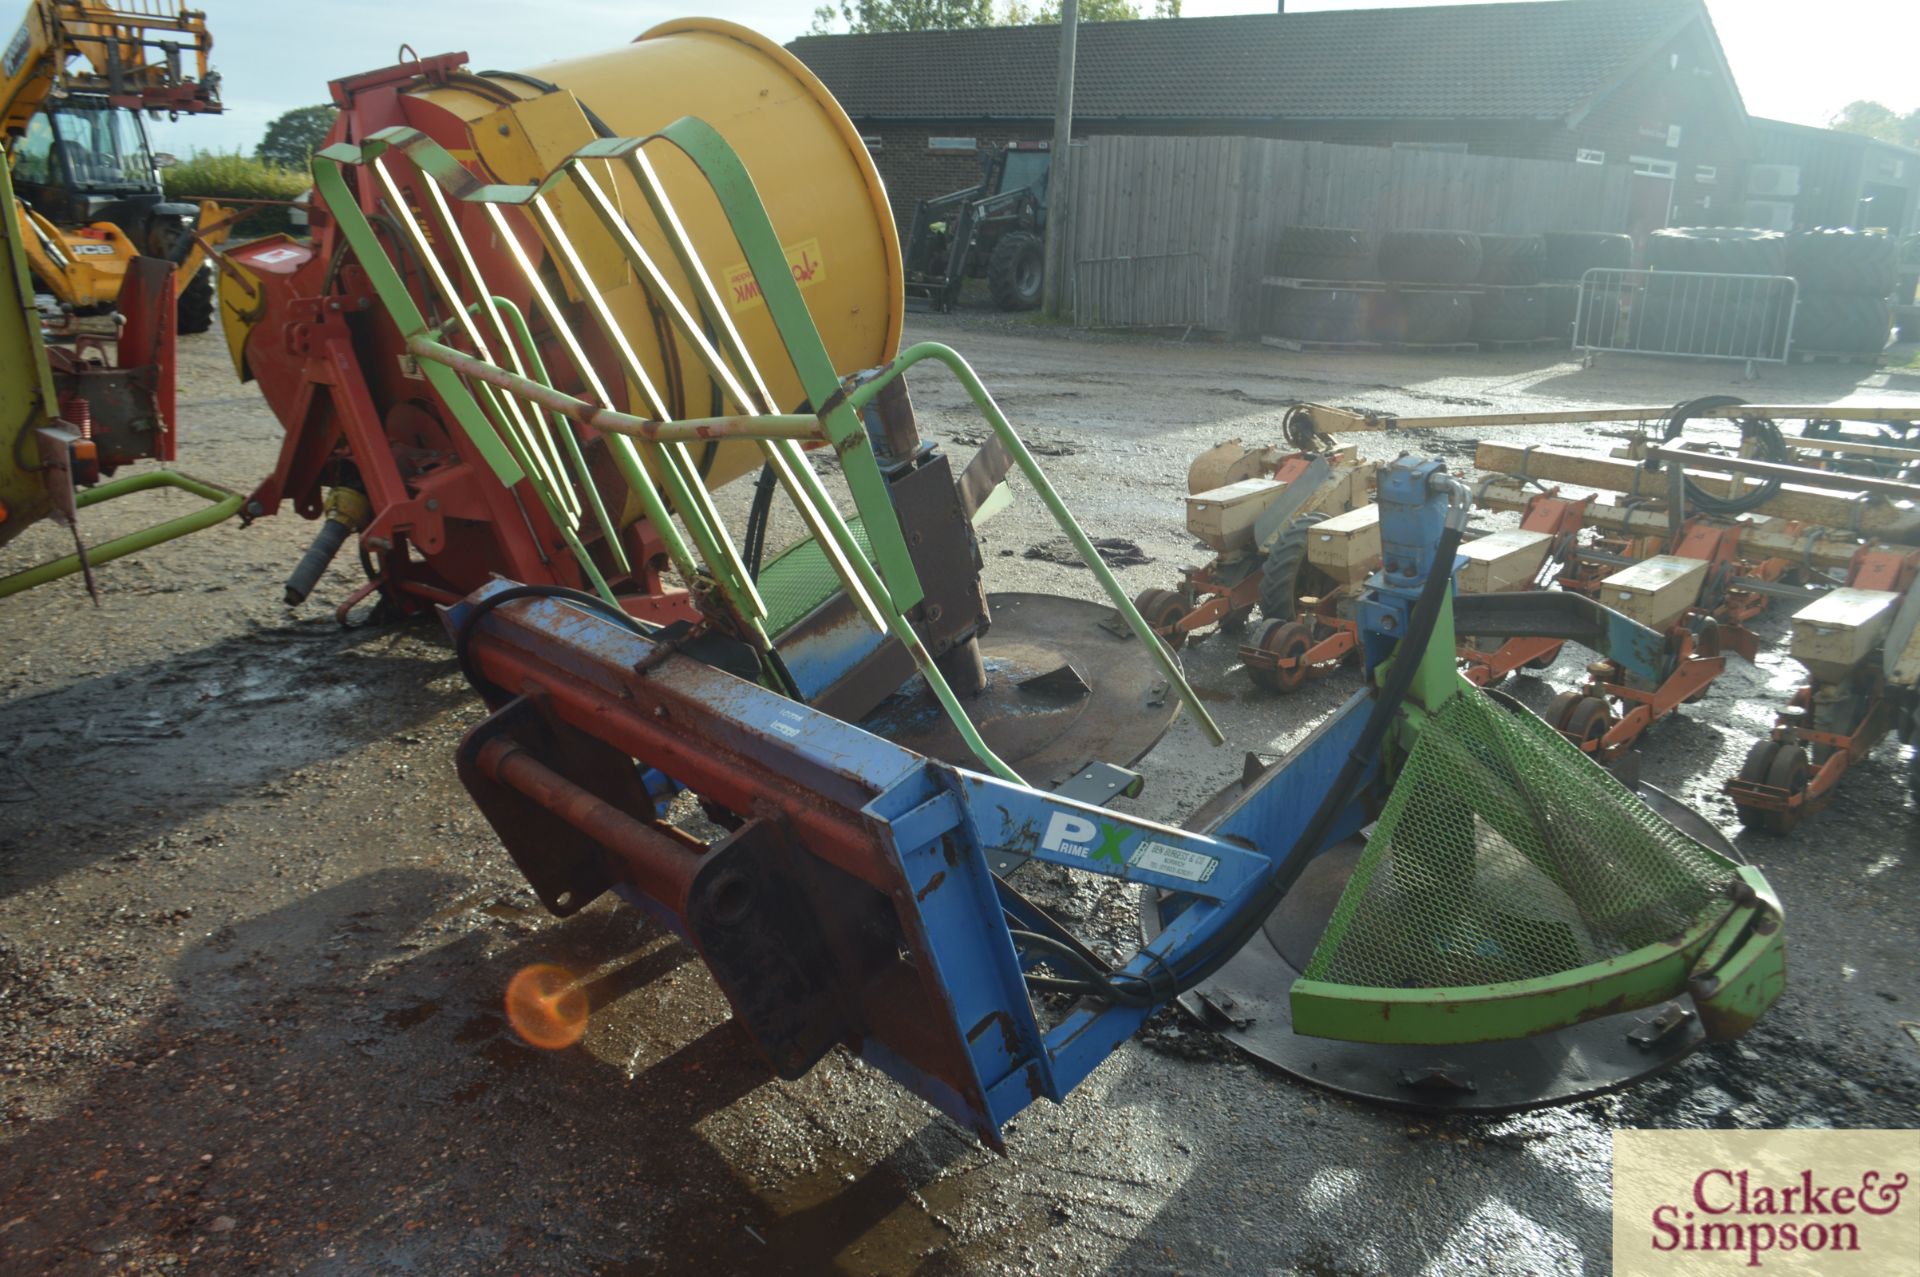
x: 1646, y: 166
x: 1584, y: 155
x: 1706, y: 174
x: 33, y: 155
x: 955, y: 144
x: 1450, y: 148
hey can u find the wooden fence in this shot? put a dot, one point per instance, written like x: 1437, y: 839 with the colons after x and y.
x: 1176, y: 231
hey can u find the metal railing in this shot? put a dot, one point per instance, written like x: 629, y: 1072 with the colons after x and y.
x: 1686, y: 315
x: 1156, y: 290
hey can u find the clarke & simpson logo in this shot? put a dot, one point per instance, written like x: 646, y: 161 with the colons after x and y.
x: 1787, y: 1201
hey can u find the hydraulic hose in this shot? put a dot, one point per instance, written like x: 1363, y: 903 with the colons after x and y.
x: 1249, y: 916
x: 1773, y: 448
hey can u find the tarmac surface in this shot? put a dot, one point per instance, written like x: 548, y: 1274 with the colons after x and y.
x: 253, y: 937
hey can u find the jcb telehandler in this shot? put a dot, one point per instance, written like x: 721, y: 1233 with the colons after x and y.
x: 74, y: 80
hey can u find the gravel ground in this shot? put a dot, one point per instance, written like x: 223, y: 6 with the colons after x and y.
x: 253, y: 937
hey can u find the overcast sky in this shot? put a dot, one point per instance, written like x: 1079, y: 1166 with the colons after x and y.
x: 1798, y: 60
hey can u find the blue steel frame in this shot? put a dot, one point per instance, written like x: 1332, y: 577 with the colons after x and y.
x: 940, y: 826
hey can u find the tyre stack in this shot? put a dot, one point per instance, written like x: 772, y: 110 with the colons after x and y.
x: 1428, y: 300
x: 1846, y: 279
x: 1509, y: 302
x: 1906, y: 296
x: 1320, y: 287
x: 1569, y: 256
x: 1690, y: 316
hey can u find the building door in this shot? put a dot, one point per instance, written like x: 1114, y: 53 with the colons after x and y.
x: 1649, y: 206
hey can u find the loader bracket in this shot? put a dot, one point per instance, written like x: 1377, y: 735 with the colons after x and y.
x: 767, y: 950
x: 566, y: 869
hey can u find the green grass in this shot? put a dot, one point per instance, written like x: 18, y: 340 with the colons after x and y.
x: 217, y: 176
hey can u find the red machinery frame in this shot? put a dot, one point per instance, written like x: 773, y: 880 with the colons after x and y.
x: 1793, y: 771
x: 427, y: 487
x: 1699, y: 645
x: 1561, y: 518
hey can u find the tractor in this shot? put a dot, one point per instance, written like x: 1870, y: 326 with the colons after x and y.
x: 74, y: 80
x: 993, y: 228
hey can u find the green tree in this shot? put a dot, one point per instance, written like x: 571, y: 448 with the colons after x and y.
x: 1872, y: 119
x: 295, y: 135
x: 862, y: 16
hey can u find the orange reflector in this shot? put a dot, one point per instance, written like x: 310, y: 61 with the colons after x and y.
x: 547, y: 1006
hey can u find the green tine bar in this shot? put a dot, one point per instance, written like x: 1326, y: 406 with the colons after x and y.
x: 471, y: 270
x: 711, y: 306
x: 1162, y: 656
x: 331, y: 184
x: 529, y: 358
x: 810, y: 500
x: 223, y: 505
x: 430, y: 260
x: 752, y: 228
x: 625, y: 456
x: 682, y: 476
x: 656, y: 282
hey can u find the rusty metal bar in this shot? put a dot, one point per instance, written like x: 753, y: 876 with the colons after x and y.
x: 610, y: 421
x: 658, y: 864
x: 1714, y: 462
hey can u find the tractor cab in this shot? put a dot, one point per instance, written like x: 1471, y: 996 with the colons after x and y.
x: 86, y: 161
x: 92, y: 199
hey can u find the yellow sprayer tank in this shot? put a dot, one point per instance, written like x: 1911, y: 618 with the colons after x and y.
x: 805, y: 157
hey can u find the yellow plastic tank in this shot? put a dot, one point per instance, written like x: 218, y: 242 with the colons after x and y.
x: 813, y: 173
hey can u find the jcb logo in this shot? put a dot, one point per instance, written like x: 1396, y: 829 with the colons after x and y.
x: 1075, y: 835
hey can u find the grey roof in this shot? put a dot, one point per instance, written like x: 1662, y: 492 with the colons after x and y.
x: 1540, y: 60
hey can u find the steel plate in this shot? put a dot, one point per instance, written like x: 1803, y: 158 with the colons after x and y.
x: 1062, y: 692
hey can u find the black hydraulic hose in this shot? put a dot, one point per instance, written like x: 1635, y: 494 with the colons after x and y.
x: 1248, y: 918
x: 1773, y: 448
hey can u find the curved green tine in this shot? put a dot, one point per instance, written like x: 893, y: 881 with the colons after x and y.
x: 331, y: 185
x: 753, y: 229
x: 508, y: 316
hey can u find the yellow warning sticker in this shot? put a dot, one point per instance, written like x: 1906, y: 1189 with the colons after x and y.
x: 743, y: 291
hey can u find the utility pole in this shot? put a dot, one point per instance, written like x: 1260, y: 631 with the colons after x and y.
x: 1059, y: 273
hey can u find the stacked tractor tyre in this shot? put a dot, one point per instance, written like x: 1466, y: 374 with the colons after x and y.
x: 1847, y: 280
x: 1569, y: 256
x: 1430, y: 305
x: 1686, y: 314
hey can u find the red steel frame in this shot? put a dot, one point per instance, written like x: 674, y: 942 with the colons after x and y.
x: 1784, y: 807
x: 440, y: 526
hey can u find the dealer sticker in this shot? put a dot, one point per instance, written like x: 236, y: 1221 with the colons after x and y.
x: 1175, y: 862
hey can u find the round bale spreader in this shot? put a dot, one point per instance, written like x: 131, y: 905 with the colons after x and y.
x: 536, y: 345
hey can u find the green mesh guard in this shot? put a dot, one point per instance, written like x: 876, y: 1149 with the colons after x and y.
x: 801, y: 579
x: 1505, y: 854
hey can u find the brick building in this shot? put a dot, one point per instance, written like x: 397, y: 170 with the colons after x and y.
x: 1639, y: 83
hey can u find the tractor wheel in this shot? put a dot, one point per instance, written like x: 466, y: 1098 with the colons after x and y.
x: 1788, y: 771
x: 1544, y: 661
x: 1759, y: 762
x: 1570, y: 254
x: 1287, y: 640
x: 1280, y: 577
x: 1016, y: 273
x: 1236, y: 619
x: 1162, y: 610
x: 1558, y: 708
x: 194, y: 310
x: 1588, y: 721
x: 1512, y: 259
x: 1430, y: 257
